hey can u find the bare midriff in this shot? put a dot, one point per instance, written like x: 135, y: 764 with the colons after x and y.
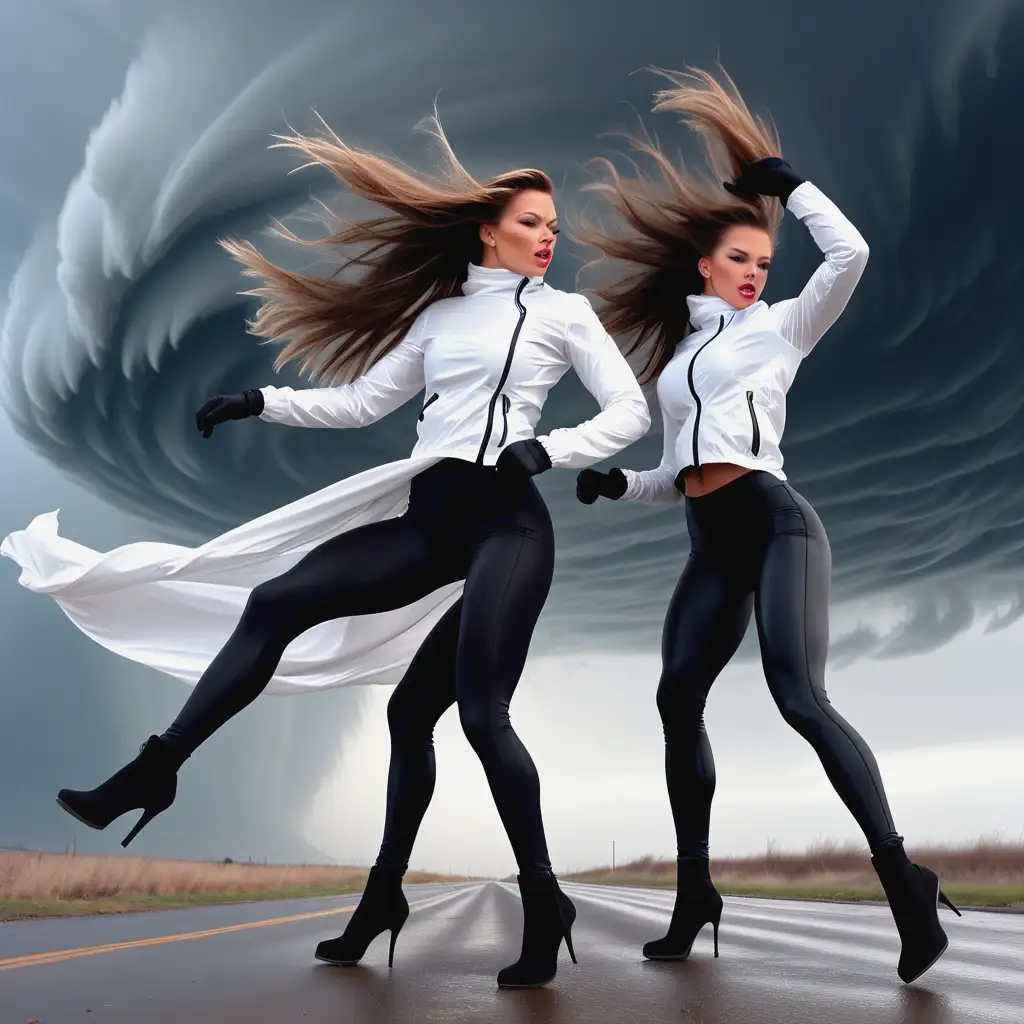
x: 712, y: 476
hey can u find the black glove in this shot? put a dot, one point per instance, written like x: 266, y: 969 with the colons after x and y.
x: 522, y: 460
x: 228, y: 407
x: 769, y: 177
x: 592, y: 484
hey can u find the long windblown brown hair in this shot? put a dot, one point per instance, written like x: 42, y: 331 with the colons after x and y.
x: 674, y: 219
x: 418, y: 254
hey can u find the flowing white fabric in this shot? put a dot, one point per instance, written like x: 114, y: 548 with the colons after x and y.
x: 173, y: 607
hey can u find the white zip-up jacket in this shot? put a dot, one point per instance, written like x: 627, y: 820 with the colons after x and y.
x: 723, y: 392
x: 487, y: 360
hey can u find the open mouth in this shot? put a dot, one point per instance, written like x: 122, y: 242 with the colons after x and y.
x: 747, y: 291
x: 544, y: 255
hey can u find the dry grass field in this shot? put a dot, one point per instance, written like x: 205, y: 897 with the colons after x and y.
x: 987, y: 873
x: 36, y: 884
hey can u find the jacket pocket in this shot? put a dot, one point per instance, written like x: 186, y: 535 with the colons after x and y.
x: 428, y: 403
x: 506, y: 404
x: 755, y: 441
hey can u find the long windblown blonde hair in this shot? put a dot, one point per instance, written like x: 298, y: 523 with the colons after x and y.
x: 674, y: 219
x: 412, y: 257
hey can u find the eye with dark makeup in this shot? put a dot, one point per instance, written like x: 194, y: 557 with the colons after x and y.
x: 533, y: 224
x: 742, y: 259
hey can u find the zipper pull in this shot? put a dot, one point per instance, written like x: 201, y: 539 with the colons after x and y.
x: 506, y: 404
x: 426, y: 405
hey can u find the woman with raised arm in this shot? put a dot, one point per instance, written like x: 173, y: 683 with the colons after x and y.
x: 452, y: 303
x: 724, y: 361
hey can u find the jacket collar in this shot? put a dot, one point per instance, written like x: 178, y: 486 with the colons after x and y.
x: 706, y: 309
x: 497, y: 281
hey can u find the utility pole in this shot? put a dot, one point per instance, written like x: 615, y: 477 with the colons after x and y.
x: 613, y: 855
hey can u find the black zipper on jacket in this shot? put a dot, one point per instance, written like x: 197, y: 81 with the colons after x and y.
x: 505, y: 372
x: 428, y: 403
x: 506, y: 404
x: 755, y: 445
x: 696, y: 397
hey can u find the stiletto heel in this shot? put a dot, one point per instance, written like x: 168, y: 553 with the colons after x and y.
x: 568, y: 946
x: 148, y: 782
x: 715, y: 924
x: 548, y: 917
x: 147, y: 816
x: 944, y: 899
x: 383, y: 907
x: 391, y: 950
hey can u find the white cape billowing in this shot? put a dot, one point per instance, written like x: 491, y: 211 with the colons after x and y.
x: 173, y: 607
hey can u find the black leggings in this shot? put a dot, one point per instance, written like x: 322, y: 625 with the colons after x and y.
x: 756, y: 546
x: 463, y: 522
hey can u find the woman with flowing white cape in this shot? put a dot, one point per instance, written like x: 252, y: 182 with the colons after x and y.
x: 431, y: 571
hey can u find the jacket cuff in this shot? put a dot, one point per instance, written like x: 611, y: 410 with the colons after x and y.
x: 632, y: 491
x: 801, y: 200
x: 270, y: 400
x: 557, y: 453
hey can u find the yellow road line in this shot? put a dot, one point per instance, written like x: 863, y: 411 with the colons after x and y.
x: 60, y: 955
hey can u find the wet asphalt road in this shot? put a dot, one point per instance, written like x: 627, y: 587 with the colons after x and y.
x: 781, y: 963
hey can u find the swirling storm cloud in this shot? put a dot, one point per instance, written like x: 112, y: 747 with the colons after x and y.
x: 142, y: 135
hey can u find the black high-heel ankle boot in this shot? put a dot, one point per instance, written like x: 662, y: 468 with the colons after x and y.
x: 149, y: 782
x: 548, y: 916
x: 697, y: 903
x: 382, y: 907
x: 914, y: 896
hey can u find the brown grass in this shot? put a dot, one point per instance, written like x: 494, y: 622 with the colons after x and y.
x: 986, y: 873
x: 36, y: 884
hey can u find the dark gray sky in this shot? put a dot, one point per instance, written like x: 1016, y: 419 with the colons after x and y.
x: 146, y: 139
